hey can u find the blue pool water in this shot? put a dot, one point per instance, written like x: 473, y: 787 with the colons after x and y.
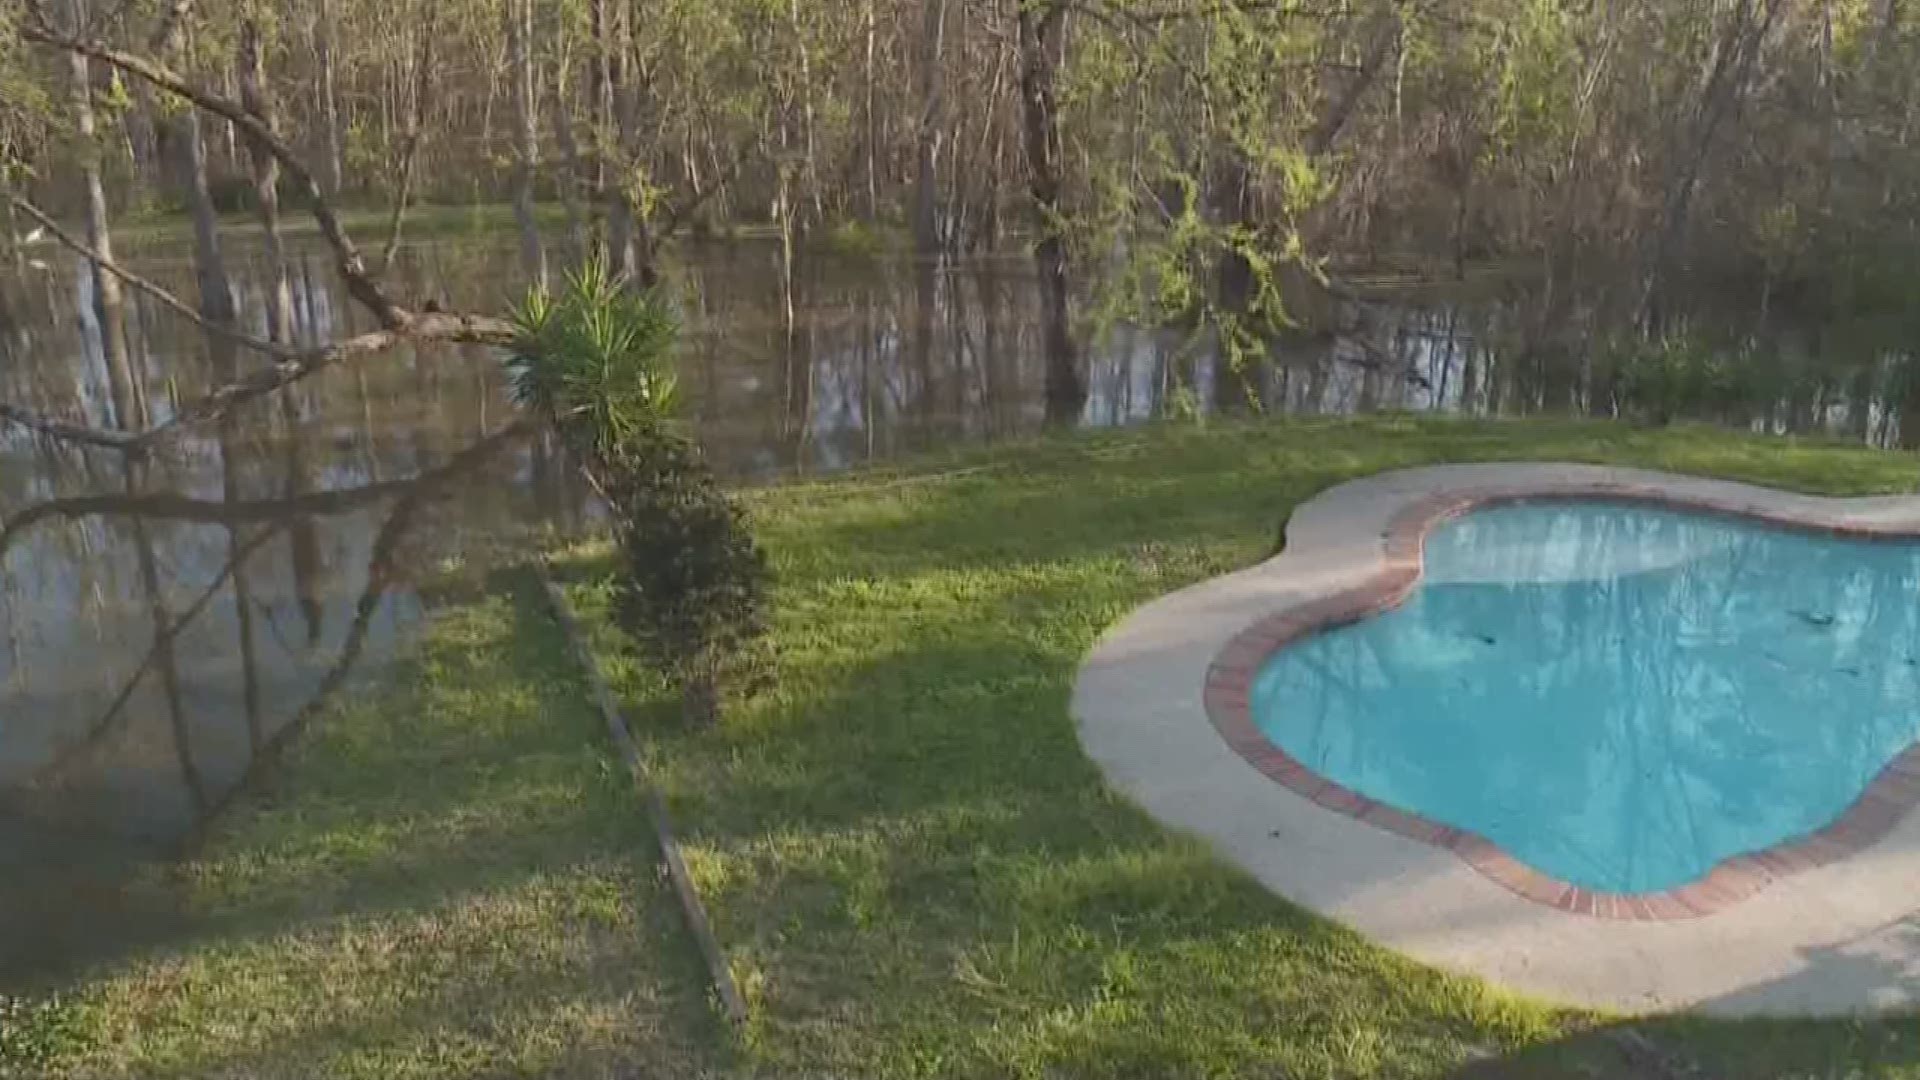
x: 1619, y: 697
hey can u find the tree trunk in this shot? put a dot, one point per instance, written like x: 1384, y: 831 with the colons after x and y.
x: 932, y: 129
x: 147, y: 124
x: 928, y: 141
x: 812, y: 175
x: 329, y: 104
x: 1042, y: 44
x: 629, y: 241
x: 128, y: 393
x: 266, y: 184
x: 10, y: 236
x: 415, y: 135
x: 190, y: 177
x: 1233, y: 287
x: 599, y: 93
x: 871, y: 119
x: 181, y: 141
x: 576, y: 177
x: 1734, y: 55
x: 526, y: 140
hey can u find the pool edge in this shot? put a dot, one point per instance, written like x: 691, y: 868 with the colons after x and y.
x: 1890, y: 796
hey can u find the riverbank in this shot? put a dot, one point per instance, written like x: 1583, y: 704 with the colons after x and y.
x: 911, y: 865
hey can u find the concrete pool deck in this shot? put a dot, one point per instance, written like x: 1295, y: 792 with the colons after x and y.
x: 1833, y: 931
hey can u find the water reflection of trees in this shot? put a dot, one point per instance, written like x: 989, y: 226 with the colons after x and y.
x: 184, y: 691
x: 1694, y: 709
x: 218, y: 567
x: 887, y: 356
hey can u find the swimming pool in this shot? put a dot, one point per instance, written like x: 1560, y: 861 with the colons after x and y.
x: 1618, y: 696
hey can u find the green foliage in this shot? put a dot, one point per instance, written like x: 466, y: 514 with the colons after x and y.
x: 857, y: 239
x: 1683, y: 375
x: 692, y: 591
x: 910, y: 862
x: 35, y: 1034
x: 595, y: 361
x: 596, y: 364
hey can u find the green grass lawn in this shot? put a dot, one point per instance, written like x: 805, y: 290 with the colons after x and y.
x: 912, y: 867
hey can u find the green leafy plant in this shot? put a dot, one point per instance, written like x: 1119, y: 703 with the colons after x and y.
x: 595, y: 363
x: 1678, y: 376
x: 36, y: 1033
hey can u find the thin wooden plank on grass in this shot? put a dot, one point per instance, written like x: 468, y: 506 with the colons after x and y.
x: 695, y: 912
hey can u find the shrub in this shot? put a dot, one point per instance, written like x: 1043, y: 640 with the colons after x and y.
x: 1680, y: 376
x: 595, y: 364
x: 692, y: 591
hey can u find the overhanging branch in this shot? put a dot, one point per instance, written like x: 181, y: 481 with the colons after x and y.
x: 173, y: 302
x: 436, y: 326
x: 352, y: 266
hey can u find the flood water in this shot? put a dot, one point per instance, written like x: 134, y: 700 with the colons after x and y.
x: 163, y: 624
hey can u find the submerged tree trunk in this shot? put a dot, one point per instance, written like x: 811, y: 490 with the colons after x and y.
x: 928, y: 141
x: 526, y: 139
x: 1042, y: 42
x: 629, y: 236
x: 129, y: 397
x: 266, y: 184
x: 189, y: 150
x: 182, y: 142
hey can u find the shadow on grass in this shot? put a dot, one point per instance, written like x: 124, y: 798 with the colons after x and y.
x: 1696, y: 1048
x: 449, y: 874
x: 906, y: 851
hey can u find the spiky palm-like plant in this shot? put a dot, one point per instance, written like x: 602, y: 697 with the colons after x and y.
x: 595, y: 363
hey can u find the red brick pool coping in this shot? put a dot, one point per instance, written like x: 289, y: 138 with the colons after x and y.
x: 1229, y: 681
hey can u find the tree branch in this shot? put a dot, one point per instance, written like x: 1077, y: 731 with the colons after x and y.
x: 66, y: 430
x: 352, y: 266
x: 170, y: 507
x: 429, y: 326
x: 179, y: 306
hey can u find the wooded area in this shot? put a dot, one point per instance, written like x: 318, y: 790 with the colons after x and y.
x: 1217, y: 165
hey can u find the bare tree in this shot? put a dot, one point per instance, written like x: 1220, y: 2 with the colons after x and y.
x: 1042, y: 30
x: 109, y: 309
x: 526, y: 137
x: 329, y: 98
x: 396, y: 322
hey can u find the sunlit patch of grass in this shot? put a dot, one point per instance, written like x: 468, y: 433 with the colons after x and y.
x: 905, y: 846
x: 913, y: 869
